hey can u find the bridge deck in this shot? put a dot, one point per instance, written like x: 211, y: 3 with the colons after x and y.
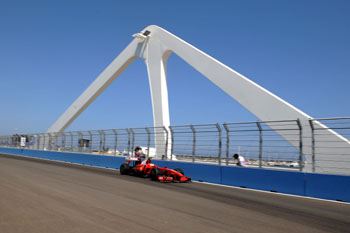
x: 42, y: 196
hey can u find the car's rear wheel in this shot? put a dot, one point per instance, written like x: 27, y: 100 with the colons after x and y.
x: 179, y: 170
x: 124, y: 169
x: 155, y: 173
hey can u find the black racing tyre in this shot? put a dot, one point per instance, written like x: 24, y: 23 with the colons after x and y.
x: 179, y: 170
x: 145, y: 173
x: 124, y: 169
x: 155, y: 173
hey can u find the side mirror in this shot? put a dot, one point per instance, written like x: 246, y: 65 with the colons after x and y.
x: 165, y: 166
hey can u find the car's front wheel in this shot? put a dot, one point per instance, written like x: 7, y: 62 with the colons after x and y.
x: 155, y: 173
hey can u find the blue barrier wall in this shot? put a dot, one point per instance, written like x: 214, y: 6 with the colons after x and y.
x: 85, y: 159
x: 332, y: 187
x: 263, y: 179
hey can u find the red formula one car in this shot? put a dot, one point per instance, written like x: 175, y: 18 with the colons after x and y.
x: 134, y: 166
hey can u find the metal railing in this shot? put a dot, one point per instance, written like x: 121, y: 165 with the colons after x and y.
x: 261, y: 146
x: 202, y: 143
x: 324, y: 151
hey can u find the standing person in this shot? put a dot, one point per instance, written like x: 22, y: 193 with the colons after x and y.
x: 240, y: 160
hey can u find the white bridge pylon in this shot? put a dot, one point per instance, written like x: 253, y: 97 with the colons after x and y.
x: 154, y: 45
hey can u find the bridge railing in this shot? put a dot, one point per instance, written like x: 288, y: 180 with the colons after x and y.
x: 147, y: 139
x: 264, y: 147
x: 261, y: 146
x: 197, y: 143
x: 335, y: 148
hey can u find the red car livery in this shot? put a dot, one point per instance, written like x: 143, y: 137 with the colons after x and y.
x: 134, y: 166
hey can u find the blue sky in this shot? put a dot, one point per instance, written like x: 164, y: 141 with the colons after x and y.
x: 51, y: 51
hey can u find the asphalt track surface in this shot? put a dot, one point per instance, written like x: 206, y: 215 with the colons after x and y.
x: 43, y: 196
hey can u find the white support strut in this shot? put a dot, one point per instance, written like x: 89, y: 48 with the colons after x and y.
x: 154, y: 45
